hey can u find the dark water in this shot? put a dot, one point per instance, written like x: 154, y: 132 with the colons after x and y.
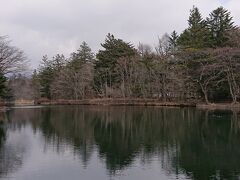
x: 135, y: 143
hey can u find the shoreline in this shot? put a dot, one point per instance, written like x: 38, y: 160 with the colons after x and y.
x: 219, y: 106
x: 117, y: 102
x: 123, y: 102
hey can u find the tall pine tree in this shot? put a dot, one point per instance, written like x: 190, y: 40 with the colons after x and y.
x: 173, y: 41
x: 197, y: 34
x: 114, y: 49
x: 220, y: 22
x: 83, y: 55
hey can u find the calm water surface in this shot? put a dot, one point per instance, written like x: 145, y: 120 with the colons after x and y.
x: 119, y: 143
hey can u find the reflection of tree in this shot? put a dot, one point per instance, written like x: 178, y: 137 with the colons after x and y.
x: 11, y: 153
x: 197, y: 143
x: 71, y: 127
x: 211, y: 150
x: 115, y: 144
x: 2, y: 134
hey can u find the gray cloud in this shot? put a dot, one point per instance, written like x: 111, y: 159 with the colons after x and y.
x: 58, y: 26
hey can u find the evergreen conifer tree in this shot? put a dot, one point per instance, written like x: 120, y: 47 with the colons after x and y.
x: 114, y: 49
x: 220, y: 23
x: 197, y: 34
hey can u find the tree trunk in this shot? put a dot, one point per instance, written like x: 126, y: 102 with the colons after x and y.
x: 232, y: 91
x: 206, y: 98
x: 204, y: 91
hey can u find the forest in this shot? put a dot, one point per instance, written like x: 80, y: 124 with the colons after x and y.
x: 200, y: 64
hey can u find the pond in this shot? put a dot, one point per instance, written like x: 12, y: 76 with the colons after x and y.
x: 118, y: 143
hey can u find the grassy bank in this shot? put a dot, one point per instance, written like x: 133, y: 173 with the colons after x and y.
x: 138, y: 102
x: 122, y: 102
x: 115, y: 102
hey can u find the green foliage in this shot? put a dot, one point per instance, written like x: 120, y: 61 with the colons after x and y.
x: 61, y: 78
x: 47, y: 72
x: 219, y: 24
x: 210, y: 33
x: 197, y: 34
x: 114, y: 49
x: 36, y: 84
x: 3, y: 87
x: 82, y: 56
x: 173, y: 40
x: 46, y: 76
x: 195, y: 64
x: 5, y: 90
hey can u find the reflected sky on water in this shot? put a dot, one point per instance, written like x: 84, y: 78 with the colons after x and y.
x: 93, y: 142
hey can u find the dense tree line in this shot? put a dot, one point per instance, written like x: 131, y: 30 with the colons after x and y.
x: 201, y: 63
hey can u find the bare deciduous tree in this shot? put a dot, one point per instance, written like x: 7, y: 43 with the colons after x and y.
x: 72, y: 84
x: 12, y: 60
x: 229, y: 59
x: 21, y: 87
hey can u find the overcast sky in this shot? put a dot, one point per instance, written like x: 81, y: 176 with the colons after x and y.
x: 59, y: 26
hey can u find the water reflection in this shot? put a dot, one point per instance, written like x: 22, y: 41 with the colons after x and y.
x: 2, y: 133
x: 186, y: 142
x: 12, y: 149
